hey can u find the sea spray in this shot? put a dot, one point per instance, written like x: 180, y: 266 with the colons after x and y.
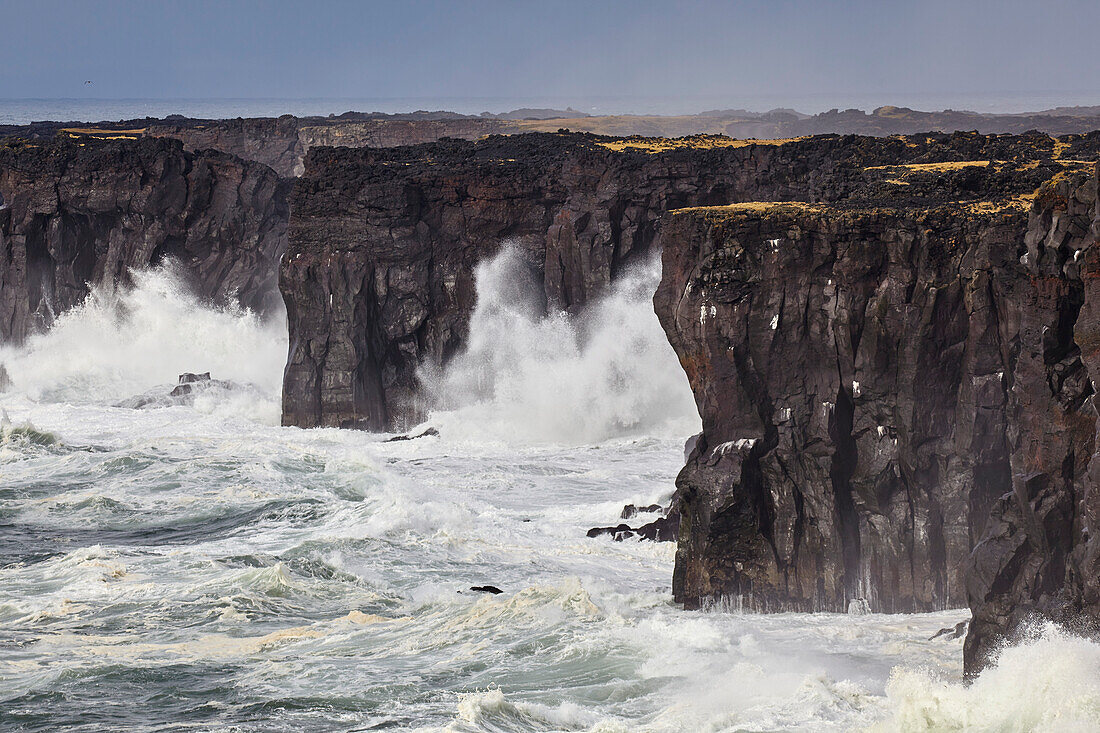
x: 1048, y: 684
x: 123, y: 341
x: 606, y: 372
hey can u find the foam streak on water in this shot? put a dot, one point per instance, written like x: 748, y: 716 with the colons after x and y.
x: 197, y: 567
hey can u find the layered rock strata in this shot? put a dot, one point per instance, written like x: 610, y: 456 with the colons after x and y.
x: 885, y: 388
x: 378, y: 277
x: 75, y: 214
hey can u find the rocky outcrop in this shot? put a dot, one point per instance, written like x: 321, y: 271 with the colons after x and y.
x: 876, y: 382
x: 77, y: 213
x: 378, y: 276
x: 847, y: 369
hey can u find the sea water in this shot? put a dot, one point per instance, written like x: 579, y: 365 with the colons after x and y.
x: 194, y: 566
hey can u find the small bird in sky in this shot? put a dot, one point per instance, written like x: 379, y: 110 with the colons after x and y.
x: 87, y: 81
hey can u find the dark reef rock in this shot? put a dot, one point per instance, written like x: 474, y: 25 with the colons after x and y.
x: 950, y: 633
x: 78, y: 213
x: 491, y: 589
x: 430, y: 432
x: 190, y: 386
x: 378, y: 275
x: 874, y: 383
x: 630, y: 510
x: 661, y: 529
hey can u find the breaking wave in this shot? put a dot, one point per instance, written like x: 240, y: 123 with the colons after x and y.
x: 1049, y: 683
x: 608, y: 372
x: 127, y: 340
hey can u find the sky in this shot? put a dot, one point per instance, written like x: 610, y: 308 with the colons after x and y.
x: 700, y: 53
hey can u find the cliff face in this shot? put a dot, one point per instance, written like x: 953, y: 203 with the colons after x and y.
x: 378, y: 276
x: 1039, y: 556
x: 78, y: 213
x: 282, y: 143
x: 875, y: 384
x: 847, y: 365
x: 268, y: 140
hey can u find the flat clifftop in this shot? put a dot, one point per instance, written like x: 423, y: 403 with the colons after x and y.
x: 925, y: 148
x: 283, y: 142
x: 896, y: 396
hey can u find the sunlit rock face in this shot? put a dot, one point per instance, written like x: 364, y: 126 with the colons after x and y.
x: 82, y: 212
x: 886, y: 387
x: 378, y: 277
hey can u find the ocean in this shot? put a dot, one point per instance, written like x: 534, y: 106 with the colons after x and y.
x: 195, y: 566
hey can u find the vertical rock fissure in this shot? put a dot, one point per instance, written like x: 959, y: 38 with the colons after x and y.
x: 840, y: 474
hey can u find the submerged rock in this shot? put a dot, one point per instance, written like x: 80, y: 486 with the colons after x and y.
x: 662, y: 529
x: 191, y: 383
x: 186, y: 390
x: 427, y: 433
x: 486, y: 589
x: 630, y: 511
x: 957, y: 631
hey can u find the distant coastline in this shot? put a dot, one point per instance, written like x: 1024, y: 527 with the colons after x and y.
x: 22, y: 111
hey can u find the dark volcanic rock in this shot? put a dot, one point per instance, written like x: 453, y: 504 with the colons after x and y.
x: 268, y: 140
x: 430, y: 432
x: 492, y: 589
x: 79, y: 213
x: 1039, y: 557
x: 283, y: 142
x: 630, y: 510
x: 378, y: 276
x: 875, y: 384
x: 847, y: 368
x: 661, y: 529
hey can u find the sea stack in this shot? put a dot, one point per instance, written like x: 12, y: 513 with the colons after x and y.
x: 897, y: 400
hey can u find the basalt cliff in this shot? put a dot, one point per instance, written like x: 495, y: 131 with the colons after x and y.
x: 378, y: 276
x: 78, y: 213
x: 897, y: 400
x: 887, y: 340
x: 891, y: 340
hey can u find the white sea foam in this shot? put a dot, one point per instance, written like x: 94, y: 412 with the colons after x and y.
x: 324, y: 577
x: 526, y: 375
x: 1048, y: 684
x: 124, y: 341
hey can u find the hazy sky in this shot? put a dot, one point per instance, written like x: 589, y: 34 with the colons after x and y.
x: 588, y: 49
